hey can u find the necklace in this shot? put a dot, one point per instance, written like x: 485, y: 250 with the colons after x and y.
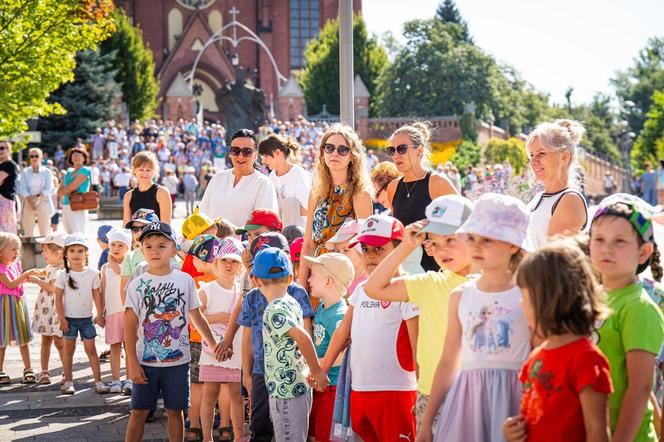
x: 409, y: 190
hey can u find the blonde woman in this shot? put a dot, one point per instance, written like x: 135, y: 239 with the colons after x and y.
x: 410, y: 195
x: 554, y: 153
x: 147, y: 194
x: 342, y: 190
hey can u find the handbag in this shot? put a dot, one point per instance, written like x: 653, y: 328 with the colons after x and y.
x: 84, y: 200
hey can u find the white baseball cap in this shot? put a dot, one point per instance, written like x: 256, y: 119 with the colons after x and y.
x: 119, y: 235
x: 446, y: 214
x: 53, y: 238
x: 76, y: 239
x: 348, y: 229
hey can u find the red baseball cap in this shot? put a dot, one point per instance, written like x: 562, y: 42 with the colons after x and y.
x: 378, y: 230
x: 261, y: 218
x: 296, y: 249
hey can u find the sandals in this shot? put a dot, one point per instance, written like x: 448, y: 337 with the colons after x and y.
x: 29, y: 376
x: 193, y: 435
x: 44, y: 378
x: 4, y: 379
x: 226, y: 434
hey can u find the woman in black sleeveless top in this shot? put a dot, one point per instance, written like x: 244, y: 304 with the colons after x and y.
x: 147, y: 195
x: 411, y: 194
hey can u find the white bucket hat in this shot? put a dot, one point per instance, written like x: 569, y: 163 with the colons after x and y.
x: 500, y: 217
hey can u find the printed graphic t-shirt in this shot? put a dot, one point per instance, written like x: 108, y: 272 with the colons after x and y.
x: 636, y: 323
x: 552, y: 380
x: 382, y: 357
x: 162, y: 304
x: 325, y: 323
x: 285, y: 368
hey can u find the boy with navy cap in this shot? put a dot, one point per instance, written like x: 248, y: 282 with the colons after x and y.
x: 159, y: 305
x: 290, y: 356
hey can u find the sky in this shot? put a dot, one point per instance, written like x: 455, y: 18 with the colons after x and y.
x: 554, y: 45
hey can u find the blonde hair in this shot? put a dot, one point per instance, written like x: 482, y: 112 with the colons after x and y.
x: 358, y: 177
x: 562, y: 136
x: 7, y: 239
x: 143, y: 158
x: 335, y: 281
x: 383, y: 174
x: 419, y: 133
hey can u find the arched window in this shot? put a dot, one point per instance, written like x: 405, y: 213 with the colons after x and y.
x: 304, y: 26
x: 215, y: 20
x: 174, y: 26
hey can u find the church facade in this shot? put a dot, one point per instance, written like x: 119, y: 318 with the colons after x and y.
x: 177, y: 30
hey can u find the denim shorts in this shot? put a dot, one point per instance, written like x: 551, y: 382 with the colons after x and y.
x: 173, y: 382
x: 82, y: 326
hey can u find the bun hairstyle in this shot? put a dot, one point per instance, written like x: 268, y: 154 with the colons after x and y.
x: 286, y: 145
x: 562, y: 136
x: 419, y: 133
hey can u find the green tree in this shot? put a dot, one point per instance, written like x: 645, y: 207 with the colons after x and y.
x: 638, y: 82
x: 447, y: 12
x: 88, y: 100
x: 649, y: 146
x: 512, y: 150
x: 467, y: 154
x: 135, y: 67
x: 38, y: 43
x: 320, y: 77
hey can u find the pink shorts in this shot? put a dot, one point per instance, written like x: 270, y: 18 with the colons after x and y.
x: 212, y: 373
x: 114, y: 328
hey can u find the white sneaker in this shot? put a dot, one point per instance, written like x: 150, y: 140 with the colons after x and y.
x: 101, y: 388
x: 115, y: 387
x: 68, y: 387
x: 126, y: 387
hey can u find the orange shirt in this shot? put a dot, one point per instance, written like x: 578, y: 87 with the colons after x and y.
x: 188, y: 267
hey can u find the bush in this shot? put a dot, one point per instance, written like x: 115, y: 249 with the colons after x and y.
x: 513, y: 150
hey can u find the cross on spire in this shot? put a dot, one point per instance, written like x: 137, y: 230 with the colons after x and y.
x: 234, y: 12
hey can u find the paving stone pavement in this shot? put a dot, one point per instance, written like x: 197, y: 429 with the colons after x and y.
x: 43, y: 413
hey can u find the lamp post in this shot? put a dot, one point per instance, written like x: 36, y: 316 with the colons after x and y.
x: 626, y: 142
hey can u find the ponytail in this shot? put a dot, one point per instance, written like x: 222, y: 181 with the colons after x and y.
x: 286, y: 145
x: 70, y: 281
x: 655, y: 265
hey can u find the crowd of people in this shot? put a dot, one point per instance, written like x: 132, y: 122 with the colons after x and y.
x: 350, y: 299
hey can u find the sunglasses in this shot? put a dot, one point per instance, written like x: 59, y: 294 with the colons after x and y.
x: 245, y: 151
x: 137, y: 229
x: 34, y: 156
x: 3, y: 148
x: 401, y: 149
x: 341, y: 149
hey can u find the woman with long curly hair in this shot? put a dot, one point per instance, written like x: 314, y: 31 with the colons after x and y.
x: 341, y: 190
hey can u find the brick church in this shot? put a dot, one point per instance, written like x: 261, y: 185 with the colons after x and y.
x: 177, y: 30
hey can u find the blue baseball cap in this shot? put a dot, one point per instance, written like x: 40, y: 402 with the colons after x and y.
x: 271, y: 263
x: 102, y: 233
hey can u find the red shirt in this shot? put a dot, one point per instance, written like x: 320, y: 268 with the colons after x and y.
x: 189, y: 268
x: 552, y: 380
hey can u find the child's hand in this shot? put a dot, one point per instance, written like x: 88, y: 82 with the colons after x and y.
x: 220, y: 350
x: 64, y: 325
x: 100, y: 321
x: 34, y: 279
x: 246, y: 381
x: 136, y: 373
x: 226, y: 347
x: 514, y: 429
x: 319, y: 380
x: 413, y: 238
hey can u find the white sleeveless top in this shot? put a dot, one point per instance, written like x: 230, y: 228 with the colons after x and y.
x: 220, y: 299
x: 495, y: 330
x: 542, y: 207
x: 112, y: 299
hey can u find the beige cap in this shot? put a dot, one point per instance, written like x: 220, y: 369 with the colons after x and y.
x: 337, y: 264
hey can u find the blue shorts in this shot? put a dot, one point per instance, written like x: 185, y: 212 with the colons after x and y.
x: 173, y: 382
x: 82, y: 326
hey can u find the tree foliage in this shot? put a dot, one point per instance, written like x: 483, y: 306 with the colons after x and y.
x: 649, y: 146
x: 638, y: 83
x: 88, y: 100
x: 320, y: 77
x: 135, y: 67
x: 447, y: 12
x: 38, y: 43
x: 512, y: 150
x: 467, y: 154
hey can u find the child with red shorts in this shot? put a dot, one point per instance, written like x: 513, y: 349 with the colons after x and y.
x: 330, y: 276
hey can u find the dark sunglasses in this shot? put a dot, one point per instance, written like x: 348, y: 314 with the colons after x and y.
x: 245, y: 151
x: 34, y: 156
x: 401, y: 149
x: 341, y: 149
x: 137, y: 229
x: 3, y: 148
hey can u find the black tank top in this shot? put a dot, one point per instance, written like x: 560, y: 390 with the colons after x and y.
x: 145, y: 200
x: 410, y: 201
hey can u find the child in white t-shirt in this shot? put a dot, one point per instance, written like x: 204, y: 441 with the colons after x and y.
x: 77, y: 287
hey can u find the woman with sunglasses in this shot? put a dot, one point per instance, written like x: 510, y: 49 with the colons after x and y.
x: 560, y: 208
x: 8, y: 176
x: 77, y: 179
x: 342, y: 190
x: 36, y: 189
x: 234, y: 193
x: 411, y: 194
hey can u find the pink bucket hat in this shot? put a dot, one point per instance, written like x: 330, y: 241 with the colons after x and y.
x: 500, y: 217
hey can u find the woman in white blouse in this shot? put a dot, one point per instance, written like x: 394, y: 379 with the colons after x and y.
x: 36, y: 190
x: 234, y: 193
